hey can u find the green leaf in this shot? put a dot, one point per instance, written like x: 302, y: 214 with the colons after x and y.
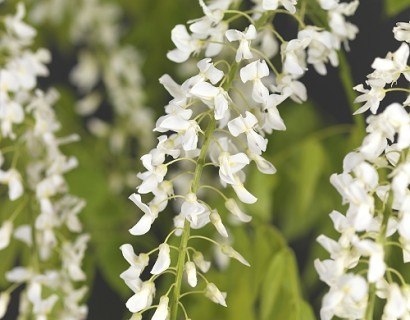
x: 394, y: 7
x: 304, y: 174
x: 272, y: 284
x: 261, y: 186
x: 281, y: 294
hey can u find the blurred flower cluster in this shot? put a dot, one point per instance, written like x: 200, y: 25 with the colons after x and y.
x: 42, y: 213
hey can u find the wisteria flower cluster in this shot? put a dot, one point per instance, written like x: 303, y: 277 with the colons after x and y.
x: 39, y: 211
x: 218, y: 121
x: 374, y: 185
x: 107, y: 72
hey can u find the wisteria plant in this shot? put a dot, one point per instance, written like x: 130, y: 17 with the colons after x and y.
x: 213, y: 210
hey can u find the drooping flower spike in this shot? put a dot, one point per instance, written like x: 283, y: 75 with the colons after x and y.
x: 40, y: 212
x: 374, y: 185
x: 220, y: 118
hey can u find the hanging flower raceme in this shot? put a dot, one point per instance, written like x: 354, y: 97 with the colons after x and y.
x: 374, y: 185
x: 37, y: 209
x: 218, y: 118
x: 104, y: 62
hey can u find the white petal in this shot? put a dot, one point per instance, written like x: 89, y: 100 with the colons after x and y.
x: 141, y: 299
x: 200, y: 262
x: 191, y: 273
x: 204, y: 90
x: 244, y: 195
x: 217, y: 222
x: 236, y: 126
x: 213, y: 293
x: 232, y: 206
x: 162, y: 311
x: 263, y: 165
x: 230, y: 252
x: 4, y: 302
x: 136, y: 198
x: 164, y: 260
x: 5, y: 234
x: 142, y: 226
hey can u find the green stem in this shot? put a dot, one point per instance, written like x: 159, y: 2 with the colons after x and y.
x: 186, y: 232
x: 180, y: 270
x: 347, y: 82
x: 370, y: 303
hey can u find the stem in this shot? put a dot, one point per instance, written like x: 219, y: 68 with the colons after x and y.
x: 345, y: 76
x: 180, y: 270
x: 347, y: 82
x: 186, y: 232
x: 370, y: 303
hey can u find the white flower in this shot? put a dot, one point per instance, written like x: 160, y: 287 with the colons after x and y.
x: 372, y: 97
x: 185, y: 44
x: 4, y: 302
x: 262, y: 164
x: 402, y: 31
x: 213, y: 293
x: 196, y: 213
x: 137, y: 266
x: 231, y: 253
x: 272, y: 118
x: 286, y: 85
x: 256, y: 142
x: 396, y: 305
x: 86, y: 73
x: 162, y: 311
x: 254, y: 72
x: 175, y: 90
x: 72, y: 254
x: 11, y: 113
x: 273, y: 5
x: 233, y: 208
x: 152, y: 177
x: 17, y: 26
x: 217, y: 222
x: 200, y: 262
x: 294, y: 57
x: 346, y: 299
x: 13, y: 179
x: 150, y: 214
x: 212, y: 96
x: 342, y: 29
x: 164, y: 260
x: 191, y: 273
x: 377, y: 266
x: 230, y: 165
x: 24, y: 233
x: 329, y: 270
x: 176, y: 119
x: 321, y: 48
x: 390, y: 68
x: 6, y: 230
x: 208, y: 71
x: 142, y: 298
x: 41, y: 307
x: 244, y: 38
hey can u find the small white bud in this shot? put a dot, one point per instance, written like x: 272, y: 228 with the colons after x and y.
x: 200, y: 262
x: 213, y: 293
x: 191, y: 273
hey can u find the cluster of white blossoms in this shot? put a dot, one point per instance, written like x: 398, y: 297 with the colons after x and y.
x: 375, y: 186
x: 115, y: 114
x: 219, y: 118
x: 37, y: 209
